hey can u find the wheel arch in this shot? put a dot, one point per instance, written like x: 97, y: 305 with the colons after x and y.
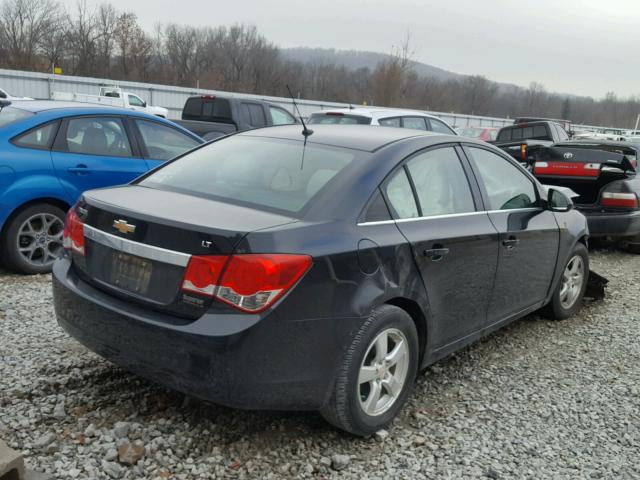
x: 412, y: 308
x: 57, y: 202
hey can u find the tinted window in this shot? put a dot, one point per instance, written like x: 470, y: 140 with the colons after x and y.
x: 280, y: 116
x: 209, y: 109
x: 40, y: 137
x: 504, y: 135
x: 390, y: 122
x: 135, y: 101
x: 440, y: 127
x: 257, y: 171
x: 253, y: 114
x: 98, y: 136
x: 377, y: 209
x: 164, y: 142
x: 507, y: 186
x: 338, y: 119
x: 9, y: 115
x: 415, y: 123
x: 441, y: 183
x: 400, y: 195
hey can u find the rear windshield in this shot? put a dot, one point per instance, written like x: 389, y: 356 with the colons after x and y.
x: 262, y: 172
x: 338, y: 119
x: 9, y: 115
x: 525, y: 132
x: 207, y: 109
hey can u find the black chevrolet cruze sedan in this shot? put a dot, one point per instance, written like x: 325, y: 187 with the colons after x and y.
x: 276, y: 270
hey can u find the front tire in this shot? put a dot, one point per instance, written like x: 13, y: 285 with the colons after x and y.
x: 567, y: 298
x: 377, y: 373
x: 33, y: 239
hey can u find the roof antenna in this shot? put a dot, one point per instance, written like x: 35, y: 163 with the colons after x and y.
x: 305, y: 131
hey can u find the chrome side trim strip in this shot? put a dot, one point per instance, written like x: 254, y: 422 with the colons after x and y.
x: 450, y: 215
x: 135, y: 248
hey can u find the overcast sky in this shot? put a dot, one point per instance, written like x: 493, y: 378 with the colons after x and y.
x: 586, y: 47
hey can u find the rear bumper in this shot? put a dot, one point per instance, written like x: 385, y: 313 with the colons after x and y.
x: 241, y: 361
x: 617, y: 225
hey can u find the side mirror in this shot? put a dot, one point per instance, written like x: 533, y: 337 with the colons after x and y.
x: 2, y: 94
x: 144, y: 104
x: 558, y: 201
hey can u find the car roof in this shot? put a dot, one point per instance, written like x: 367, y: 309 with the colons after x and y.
x: 356, y: 137
x: 36, y: 106
x: 375, y: 112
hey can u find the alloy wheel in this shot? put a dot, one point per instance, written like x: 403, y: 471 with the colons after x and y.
x: 572, y: 282
x: 39, y: 239
x: 383, y: 372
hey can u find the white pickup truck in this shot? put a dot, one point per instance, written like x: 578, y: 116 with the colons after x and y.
x: 115, y: 97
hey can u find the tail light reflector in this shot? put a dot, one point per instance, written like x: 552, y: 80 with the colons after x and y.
x: 73, y: 236
x: 250, y: 282
x: 625, y: 200
x: 523, y: 152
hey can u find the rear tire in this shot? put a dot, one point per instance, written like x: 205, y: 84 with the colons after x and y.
x: 38, y: 227
x: 377, y: 373
x: 568, y: 295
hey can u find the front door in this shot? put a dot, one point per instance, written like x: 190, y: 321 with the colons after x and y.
x: 94, y: 152
x: 529, y: 234
x: 455, y: 246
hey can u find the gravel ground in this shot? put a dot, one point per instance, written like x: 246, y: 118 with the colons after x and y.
x: 538, y: 399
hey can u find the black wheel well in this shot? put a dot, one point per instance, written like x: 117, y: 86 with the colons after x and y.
x: 415, y: 312
x: 51, y: 201
x: 584, y: 240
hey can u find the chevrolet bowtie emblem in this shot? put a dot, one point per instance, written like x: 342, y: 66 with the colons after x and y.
x: 123, y: 227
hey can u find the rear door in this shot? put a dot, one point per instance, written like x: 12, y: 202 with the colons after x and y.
x: 454, y: 243
x: 529, y: 234
x: 95, y: 151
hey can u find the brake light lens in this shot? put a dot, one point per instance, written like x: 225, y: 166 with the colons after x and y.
x: 73, y: 236
x: 624, y: 200
x: 250, y: 282
x: 523, y: 152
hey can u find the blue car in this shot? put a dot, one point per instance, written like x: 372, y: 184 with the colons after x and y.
x: 51, y: 152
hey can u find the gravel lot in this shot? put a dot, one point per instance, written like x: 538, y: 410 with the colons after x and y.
x: 538, y: 399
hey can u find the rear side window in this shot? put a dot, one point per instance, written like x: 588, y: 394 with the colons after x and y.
x: 261, y: 172
x: 40, y: 137
x: 279, y: 116
x: 390, y: 122
x: 253, y: 114
x: 400, y: 195
x: 440, y: 182
x: 163, y: 142
x: 440, y: 127
x: 507, y: 186
x: 338, y: 119
x: 98, y: 136
x: 414, y: 123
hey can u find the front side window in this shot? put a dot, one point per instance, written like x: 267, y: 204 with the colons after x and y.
x: 280, y: 116
x: 135, y: 101
x: 400, y: 195
x: 164, y: 142
x: 261, y: 172
x: 415, y: 123
x: 441, y: 183
x: 440, y: 127
x: 390, y: 122
x: 98, y: 136
x: 40, y: 137
x: 507, y: 186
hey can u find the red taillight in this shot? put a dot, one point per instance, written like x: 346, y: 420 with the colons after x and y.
x: 73, y: 236
x: 208, y: 97
x: 335, y: 114
x: 624, y: 200
x: 250, y: 282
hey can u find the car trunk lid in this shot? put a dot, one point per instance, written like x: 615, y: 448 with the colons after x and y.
x: 139, y: 245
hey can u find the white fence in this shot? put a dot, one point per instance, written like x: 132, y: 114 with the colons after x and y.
x: 42, y: 85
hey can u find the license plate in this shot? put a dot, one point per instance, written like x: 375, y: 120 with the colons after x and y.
x: 130, y: 273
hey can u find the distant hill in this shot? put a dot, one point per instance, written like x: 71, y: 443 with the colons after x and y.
x: 355, y: 59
